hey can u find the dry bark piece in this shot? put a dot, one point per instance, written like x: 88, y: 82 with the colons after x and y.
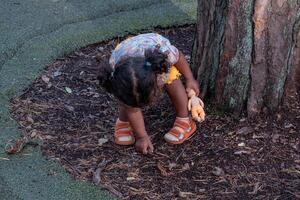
x: 245, y: 131
x: 16, y: 146
x: 186, y: 194
x: 102, y: 141
x: 46, y: 79
x: 162, y: 169
x: 218, y: 171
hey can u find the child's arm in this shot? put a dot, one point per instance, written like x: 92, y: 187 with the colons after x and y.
x: 183, y: 67
x: 143, y: 142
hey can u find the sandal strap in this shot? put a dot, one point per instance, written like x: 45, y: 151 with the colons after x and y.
x: 174, y: 131
x: 123, y: 129
x: 120, y: 133
x: 182, y: 124
x: 122, y: 125
x: 123, y: 134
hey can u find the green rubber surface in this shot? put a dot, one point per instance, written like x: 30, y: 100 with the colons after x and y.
x: 33, y: 34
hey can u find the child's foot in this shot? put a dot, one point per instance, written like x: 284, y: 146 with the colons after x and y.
x: 123, y: 133
x: 182, y: 130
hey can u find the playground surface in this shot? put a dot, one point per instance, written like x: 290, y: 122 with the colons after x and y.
x: 34, y: 34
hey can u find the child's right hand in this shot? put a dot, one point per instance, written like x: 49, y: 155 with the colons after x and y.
x: 144, y: 145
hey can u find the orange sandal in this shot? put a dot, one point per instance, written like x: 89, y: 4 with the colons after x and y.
x: 182, y: 130
x: 123, y: 133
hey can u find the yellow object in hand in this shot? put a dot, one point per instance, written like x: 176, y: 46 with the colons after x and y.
x: 196, y: 106
x: 174, y: 74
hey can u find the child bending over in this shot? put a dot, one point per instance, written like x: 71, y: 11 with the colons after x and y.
x: 138, y: 68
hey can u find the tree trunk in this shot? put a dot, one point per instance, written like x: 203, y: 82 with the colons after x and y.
x: 247, y: 52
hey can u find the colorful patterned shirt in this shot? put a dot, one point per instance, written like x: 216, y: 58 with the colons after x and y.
x: 136, y: 46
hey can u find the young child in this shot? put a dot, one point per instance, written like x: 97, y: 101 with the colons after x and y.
x: 138, y: 68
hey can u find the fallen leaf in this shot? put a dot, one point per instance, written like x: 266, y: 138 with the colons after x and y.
x: 218, y: 171
x: 1, y: 158
x: 100, y: 48
x: 278, y: 117
x: 162, y: 170
x: 70, y: 108
x: 15, y: 146
x: 255, y: 189
x: 185, y: 194
x: 49, y: 85
x: 134, y: 189
x: 48, y: 137
x: 69, y: 90
x: 288, y: 126
x: 219, y: 127
x: 134, y: 174
x: 292, y: 131
x: 186, y: 166
x: 45, y: 78
x: 33, y: 133
x: 96, y: 95
x: 245, y: 131
x: 201, y: 190
x: 29, y: 119
x: 130, y: 178
x: 97, y: 176
x: 57, y: 73
x: 242, y: 152
x: 275, y: 137
x: 231, y: 133
x: 172, y: 165
x: 257, y: 136
x: 102, y: 141
x: 243, y: 120
x: 242, y: 144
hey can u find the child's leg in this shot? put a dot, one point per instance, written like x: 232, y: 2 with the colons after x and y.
x: 123, y: 132
x: 183, y: 127
x: 130, y: 121
x: 122, y: 113
x: 177, y: 93
x: 134, y: 121
x: 135, y: 117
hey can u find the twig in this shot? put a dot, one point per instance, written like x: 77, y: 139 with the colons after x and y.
x: 71, y: 166
x: 112, y: 190
x: 1, y: 158
x: 181, y: 153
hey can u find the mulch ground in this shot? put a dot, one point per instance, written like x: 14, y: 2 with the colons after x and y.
x: 228, y: 158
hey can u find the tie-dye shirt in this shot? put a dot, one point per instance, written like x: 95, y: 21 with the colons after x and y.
x: 136, y: 46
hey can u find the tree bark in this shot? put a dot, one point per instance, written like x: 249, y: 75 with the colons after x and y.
x: 246, y: 52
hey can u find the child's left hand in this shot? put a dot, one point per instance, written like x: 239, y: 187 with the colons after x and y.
x: 144, y: 145
x: 192, y: 84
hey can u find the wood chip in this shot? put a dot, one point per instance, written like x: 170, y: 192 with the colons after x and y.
x: 46, y: 79
x: 102, y: 141
x: 245, y: 131
x: 162, y: 170
x: 69, y: 90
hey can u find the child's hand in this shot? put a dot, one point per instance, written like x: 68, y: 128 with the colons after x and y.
x: 192, y: 84
x: 144, y: 145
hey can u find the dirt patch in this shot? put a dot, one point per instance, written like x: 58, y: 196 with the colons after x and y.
x: 228, y: 158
